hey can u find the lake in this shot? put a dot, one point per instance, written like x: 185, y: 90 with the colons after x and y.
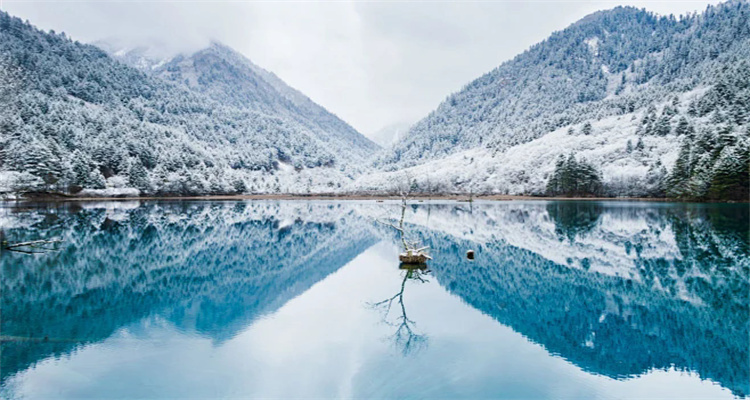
x: 291, y: 299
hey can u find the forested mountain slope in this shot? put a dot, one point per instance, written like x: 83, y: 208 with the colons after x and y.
x: 73, y: 117
x: 622, y: 88
x: 228, y: 77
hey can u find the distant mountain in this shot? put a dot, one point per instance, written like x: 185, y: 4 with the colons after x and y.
x: 622, y: 88
x: 391, y: 134
x: 74, y: 118
x: 228, y: 77
x: 144, y: 58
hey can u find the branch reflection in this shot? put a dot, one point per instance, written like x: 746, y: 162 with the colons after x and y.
x: 406, y: 338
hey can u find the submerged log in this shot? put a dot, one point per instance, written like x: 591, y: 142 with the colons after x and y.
x: 33, y: 247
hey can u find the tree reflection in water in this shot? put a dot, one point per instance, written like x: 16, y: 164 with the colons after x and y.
x: 617, y: 289
x: 406, y: 339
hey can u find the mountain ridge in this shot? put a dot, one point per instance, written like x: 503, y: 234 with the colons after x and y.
x: 74, y: 118
x: 651, y: 106
x: 230, y: 78
x: 624, y: 63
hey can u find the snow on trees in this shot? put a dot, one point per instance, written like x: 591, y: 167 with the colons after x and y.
x: 574, y: 178
x: 76, y: 118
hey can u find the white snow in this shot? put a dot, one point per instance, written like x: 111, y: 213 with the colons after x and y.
x: 593, y: 44
x: 525, y: 169
x: 110, y: 192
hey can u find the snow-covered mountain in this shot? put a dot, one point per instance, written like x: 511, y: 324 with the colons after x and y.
x: 144, y: 58
x: 228, y: 77
x: 73, y: 118
x: 389, y: 135
x: 622, y: 88
x: 655, y: 106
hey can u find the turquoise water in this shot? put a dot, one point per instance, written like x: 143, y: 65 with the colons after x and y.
x: 307, y: 299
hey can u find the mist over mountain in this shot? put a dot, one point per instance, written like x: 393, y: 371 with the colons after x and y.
x: 390, y: 134
x: 142, y: 57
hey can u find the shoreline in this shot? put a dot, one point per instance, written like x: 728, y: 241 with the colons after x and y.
x: 349, y: 197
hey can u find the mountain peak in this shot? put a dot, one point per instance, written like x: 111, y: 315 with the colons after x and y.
x: 231, y: 78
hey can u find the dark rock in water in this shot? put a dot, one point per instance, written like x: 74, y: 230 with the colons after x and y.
x: 470, y: 254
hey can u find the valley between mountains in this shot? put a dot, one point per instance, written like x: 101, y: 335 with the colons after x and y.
x: 623, y: 103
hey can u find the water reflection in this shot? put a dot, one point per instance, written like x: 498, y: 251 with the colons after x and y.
x: 405, y: 338
x: 616, y: 289
x: 574, y: 219
x: 631, y: 288
x: 209, y: 269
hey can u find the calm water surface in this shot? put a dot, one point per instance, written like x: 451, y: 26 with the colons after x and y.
x: 306, y: 299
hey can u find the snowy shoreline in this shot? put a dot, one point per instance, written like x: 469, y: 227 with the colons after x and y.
x: 353, y: 196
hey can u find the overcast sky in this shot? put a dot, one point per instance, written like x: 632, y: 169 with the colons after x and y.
x: 371, y: 63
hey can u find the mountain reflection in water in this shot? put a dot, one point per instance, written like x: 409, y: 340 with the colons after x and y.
x: 616, y: 289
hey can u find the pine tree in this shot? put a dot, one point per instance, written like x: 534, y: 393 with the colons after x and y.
x: 650, y: 115
x: 662, y: 126
x: 37, y: 159
x: 656, y: 179
x: 621, y: 87
x: 586, y: 130
x: 725, y: 137
x: 702, y: 175
x: 553, y: 184
x: 570, y: 176
x: 574, y: 178
x: 731, y: 175
x: 669, y: 111
x: 718, y: 117
x: 239, y: 186
x: 739, y: 110
x: 683, y: 127
x: 692, y: 109
x: 80, y: 172
x: 681, y: 172
x: 138, y: 177
x: 96, y: 180
x: 639, y: 145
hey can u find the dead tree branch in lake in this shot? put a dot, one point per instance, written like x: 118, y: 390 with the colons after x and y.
x: 405, y: 336
x: 413, y: 249
x: 31, y: 247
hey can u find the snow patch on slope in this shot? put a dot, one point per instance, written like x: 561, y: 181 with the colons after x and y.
x: 593, y: 44
x: 525, y: 168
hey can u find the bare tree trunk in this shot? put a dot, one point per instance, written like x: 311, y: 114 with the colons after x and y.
x: 401, y: 223
x: 29, y: 247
